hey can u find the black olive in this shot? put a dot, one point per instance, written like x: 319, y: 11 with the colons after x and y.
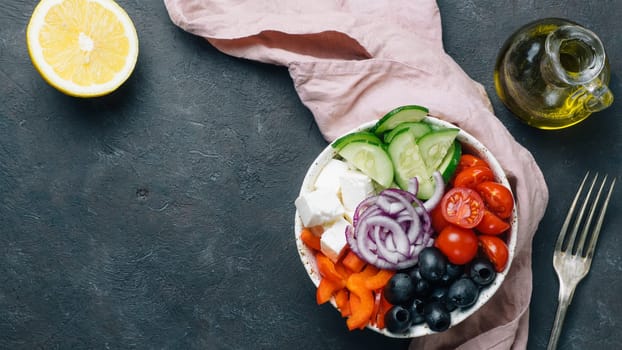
x: 449, y: 305
x: 463, y: 292
x: 400, y: 290
x: 417, y: 315
x: 437, y: 317
x: 432, y: 264
x: 452, y: 273
x: 439, y: 294
x: 482, y: 272
x: 397, y: 319
x: 422, y: 286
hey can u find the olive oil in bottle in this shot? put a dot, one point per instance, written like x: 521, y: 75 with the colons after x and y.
x: 552, y: 74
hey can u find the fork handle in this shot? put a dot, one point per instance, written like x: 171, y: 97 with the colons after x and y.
x: 565, y: 297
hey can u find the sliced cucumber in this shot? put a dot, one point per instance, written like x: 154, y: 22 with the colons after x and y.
x: 450, y: 162
x: 434, y: 146
x: 417, y: 128
x: 408, y: 163
x: 364, y: 136
x: 371, y: 159
x: 399, y: 115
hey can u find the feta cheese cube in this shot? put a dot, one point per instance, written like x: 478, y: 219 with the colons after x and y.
x: 333, y: 239
x: 355, y: 187
x: 319, y: 207
x: 328, y: 178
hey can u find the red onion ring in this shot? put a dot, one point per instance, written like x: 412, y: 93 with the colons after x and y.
x: 390, y: 229
x: 439, y: 190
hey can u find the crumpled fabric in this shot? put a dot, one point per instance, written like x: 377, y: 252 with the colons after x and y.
x: 351, y: 61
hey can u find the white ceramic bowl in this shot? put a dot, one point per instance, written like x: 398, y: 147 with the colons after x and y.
x: 469, y: 145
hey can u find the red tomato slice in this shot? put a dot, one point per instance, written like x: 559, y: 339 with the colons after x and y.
x: 469, y: 160
x: 471, y: 177
x: 458, y: 244
x: 496, y: 250
x: 497, y: 197
x: 463, y: 207
x: 491, y: 224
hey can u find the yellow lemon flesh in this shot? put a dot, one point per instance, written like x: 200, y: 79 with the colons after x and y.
x: 84, y: 48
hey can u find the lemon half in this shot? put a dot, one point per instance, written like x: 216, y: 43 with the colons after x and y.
x: 84, y: 48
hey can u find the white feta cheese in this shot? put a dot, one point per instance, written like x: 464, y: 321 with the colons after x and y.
x: 328, y: 178
x: 333, y: 239
x: 319, y: 207
x: 355, y: 187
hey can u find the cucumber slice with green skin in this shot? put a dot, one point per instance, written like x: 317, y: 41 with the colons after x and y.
x: 450, y: 162
x: 434, y: 146
x: 364, y: 136
x: 408, y: 163
x: 417, y: 128
x: 371, y: 159
x: 399, y: 115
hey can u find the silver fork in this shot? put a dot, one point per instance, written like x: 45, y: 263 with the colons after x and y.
x: 571, y: 261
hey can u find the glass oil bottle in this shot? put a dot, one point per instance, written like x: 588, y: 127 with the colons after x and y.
x: 553, y: 73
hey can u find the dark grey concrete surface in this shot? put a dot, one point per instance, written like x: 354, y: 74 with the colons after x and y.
x: 161, y: 216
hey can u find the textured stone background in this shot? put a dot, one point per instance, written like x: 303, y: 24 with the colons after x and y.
x: 161, y: 216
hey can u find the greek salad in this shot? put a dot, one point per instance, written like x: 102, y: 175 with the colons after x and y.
x: 404, y: 225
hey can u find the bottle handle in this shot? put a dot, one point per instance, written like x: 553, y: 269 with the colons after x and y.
x: 599, y: 96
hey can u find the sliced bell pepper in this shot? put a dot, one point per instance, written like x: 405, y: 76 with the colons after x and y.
x: 342, y: 299
x: 379, y: 280
x: 342, y: 270
x: 325, y: 290
x: 327, y: 269
x: 355, y: 301
x: 368, y: 271
x: 361, y: 314
x: 353, y: 262
x: 310, y: 240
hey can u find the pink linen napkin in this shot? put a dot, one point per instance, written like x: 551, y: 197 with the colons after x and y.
x: 352, y: 61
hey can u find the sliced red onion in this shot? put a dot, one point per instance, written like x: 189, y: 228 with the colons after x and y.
x: 390, y: 244
x: 410, y: 197
x: 427, y: 221
x: 415, y: 223
x: 398, y: 236
x: 361, y: 207
x: 391, y: 256
x: 439, y: 189
x: 390, y: 229
x: 359, y: 247
x: 418, y: 248
x: 371, y: 211
x: 413, y: 185
x: 389, y: 207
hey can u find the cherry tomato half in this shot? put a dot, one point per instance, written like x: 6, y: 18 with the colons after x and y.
x: 472, y: 176
x: 463, y: 207
x: 497, y: 197
x: 491, y: 224
x: 469, y: 160
x: 496, y: 250
x: 458, y: 244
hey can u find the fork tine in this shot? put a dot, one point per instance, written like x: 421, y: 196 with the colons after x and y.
x: 570, y: 246
x: 564, y: 229
x: 599, y: 223
x: 588, y: 222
